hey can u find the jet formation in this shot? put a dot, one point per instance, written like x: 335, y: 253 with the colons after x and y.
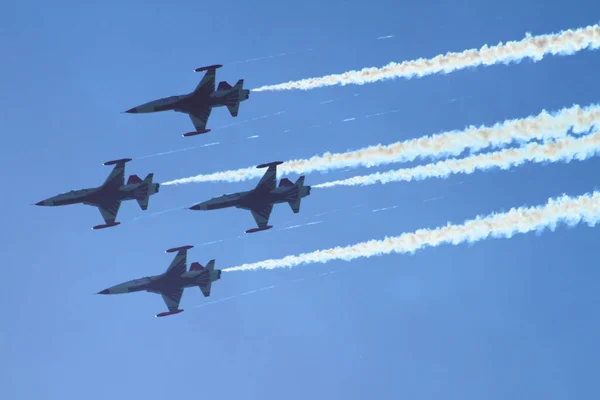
x: 199, y: 104
x: 108, y: 197
x: 173, y: 281
x: 260, y: 200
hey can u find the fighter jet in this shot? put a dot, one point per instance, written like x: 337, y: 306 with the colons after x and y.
x: 171, y: 283
x: 199, y: 104
x: 260, y: 200
x: 109, y: 196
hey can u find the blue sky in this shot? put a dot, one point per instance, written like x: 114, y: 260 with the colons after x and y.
x: 498, y: 319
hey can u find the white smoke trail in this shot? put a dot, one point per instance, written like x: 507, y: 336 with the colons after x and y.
x: 566, y: 42
x: 565, y: 149
x: 543, y: 126
x: 565, y: 209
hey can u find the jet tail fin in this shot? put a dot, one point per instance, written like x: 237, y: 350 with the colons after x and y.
x: 145, y: 190
x: 205, y: 286
x: 237, y: 95
x: 242, y: 93
x: 295, y: 203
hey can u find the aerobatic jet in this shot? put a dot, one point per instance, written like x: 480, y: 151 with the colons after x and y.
x: 109, y: 196
x: 199, y: 104
x: 171, y: 283
x: 260, y: 200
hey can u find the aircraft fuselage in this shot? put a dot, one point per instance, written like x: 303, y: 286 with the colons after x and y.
x: 164, y: 283
x: 187, y: 103
x: 94, y: 196
x: 252, y: 199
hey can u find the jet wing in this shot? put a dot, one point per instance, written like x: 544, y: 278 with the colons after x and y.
x: 179, y: 264
x: 269, y: 180
x: 261, y: 216
x: 207, y: 84
x: 109, y: 211
x: 172, y: 299
x: 200, y: 118
x: 117, y: 176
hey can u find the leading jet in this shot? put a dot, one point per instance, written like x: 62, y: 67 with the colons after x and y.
x: 260, y: 200
x: 171, y: 283
x: 109, y: 196
x: 199, y: 104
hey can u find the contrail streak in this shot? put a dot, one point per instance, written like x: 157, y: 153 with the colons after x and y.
x: 543, y: 126
x: 565, y: 149
x: 177, y: 151
x: 565, y: 209
x: 566, y: 42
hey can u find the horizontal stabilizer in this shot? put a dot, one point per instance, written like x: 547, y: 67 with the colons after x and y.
x: 295, y: 205
x: 120, y: 161
x: 207, y: 68
x: 224, y: 86
x: 205, y: 282
x: 300, y: 181
x: 173, y: 250
x: 211, y: 265
x: 206, y: 289
x: 285, y: 182
x: 234, y: 109
x: 144, y: 190
x: 271, y: 164
x: 239, y: 84
x: 134, y: 179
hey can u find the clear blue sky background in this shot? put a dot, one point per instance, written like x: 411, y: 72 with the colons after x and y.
x: 498, y: 319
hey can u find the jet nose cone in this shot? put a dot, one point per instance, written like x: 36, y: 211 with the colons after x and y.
x: 198, y: 207
x: 39, y: 203
x: 44, y: 203
x: 105, y: 291
x: 132, y: 110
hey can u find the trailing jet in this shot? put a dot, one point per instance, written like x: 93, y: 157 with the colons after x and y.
x: 109, y: 196
x: 171, y: 283
x: 260, y: 200
x: 199, y: 104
